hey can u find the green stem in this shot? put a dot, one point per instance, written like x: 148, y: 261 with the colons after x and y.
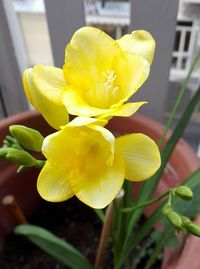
x: 179, y: 98
x: 39, y: 164
x: 152, y: 201
x: 100, y: 214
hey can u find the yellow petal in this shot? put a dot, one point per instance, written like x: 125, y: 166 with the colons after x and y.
x: 140, y: 42
x: 100, y: 188
x: 123, y: 111
x: 89, y: 53
x: 132, y: 73
x: 43, y: 87
x: 53, y: 184
x: 50, y: 82
x: 84, y: 121
x: 77, y: 106
x: 140, y: 154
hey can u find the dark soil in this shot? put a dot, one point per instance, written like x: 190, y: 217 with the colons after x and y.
x: 71, y: 220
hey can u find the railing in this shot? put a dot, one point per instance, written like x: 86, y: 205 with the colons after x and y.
x: 186, y: 37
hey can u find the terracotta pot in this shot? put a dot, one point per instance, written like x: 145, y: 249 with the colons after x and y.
x: 23, y: 186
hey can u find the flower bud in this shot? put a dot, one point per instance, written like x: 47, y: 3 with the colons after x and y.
x: 193, y: 228
x: 20, y: 157
x: 3, y: 152
x: 184, y: 192
x: 173, y: 217
x: 166, y: 209
x: 27, y: 137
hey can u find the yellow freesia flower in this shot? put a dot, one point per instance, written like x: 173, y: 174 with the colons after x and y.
x: 98, y: 76
x: 85, y: 160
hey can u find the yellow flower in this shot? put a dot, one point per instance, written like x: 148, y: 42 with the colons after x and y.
x: 85, y: 160
x: 98, y: 76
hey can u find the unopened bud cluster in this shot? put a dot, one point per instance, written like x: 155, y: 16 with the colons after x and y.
x: 14, y: 146
x: 178, y: 221
x: 28, y: 138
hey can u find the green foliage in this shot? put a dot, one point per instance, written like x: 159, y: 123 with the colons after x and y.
x: 54, y: 246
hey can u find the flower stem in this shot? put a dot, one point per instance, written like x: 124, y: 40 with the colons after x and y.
x: 149, y: 202
x: 104, y: 236
x: 39, y: 164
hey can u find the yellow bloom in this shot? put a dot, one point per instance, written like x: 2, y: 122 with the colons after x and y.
x: 98, y: 76
x: 85, y: 160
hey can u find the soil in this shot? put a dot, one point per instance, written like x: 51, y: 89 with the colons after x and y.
x: 71, y: 220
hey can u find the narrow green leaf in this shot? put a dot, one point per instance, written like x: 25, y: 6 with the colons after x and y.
x: 180, y: 97
x: 54, y: 246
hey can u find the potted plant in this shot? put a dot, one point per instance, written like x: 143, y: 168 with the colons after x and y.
x: 84, y: 159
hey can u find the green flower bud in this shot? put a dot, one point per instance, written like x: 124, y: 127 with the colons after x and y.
x: 184, y: 192
x: 193, y: 228
x: 3, y: 152
x: 185, y: 221
x: 174, y: 218
x: 20, y: 157
x: 166, y: 209
x: 29, y: 138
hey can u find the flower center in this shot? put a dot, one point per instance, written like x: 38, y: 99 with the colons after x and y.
x: 110, y: 80
x: 105, y: 93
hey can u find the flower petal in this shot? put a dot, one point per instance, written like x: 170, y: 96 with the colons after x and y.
x: 77, y: 106
x: 133, y: 73
x: 123, y: 111
x: 82, y: 121
x: 102, y: 187
x: 140, y: 42
x: 140, y: 154
x: 43, y: 87
x: 53, y: 184
x: 89, y: 53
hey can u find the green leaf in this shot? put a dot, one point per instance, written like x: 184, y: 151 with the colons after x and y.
x: 54, y: 246
x: 180, y: 97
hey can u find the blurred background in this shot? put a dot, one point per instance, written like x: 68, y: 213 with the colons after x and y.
x: 37, y: 31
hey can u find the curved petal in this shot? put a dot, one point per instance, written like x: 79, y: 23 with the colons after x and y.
x: 100, y: 188
x: 133, y: 73
x: 77, y: 106
x: 49, y: 81
x: 53, y: 184
x: 89, y: 53
x: 43, y: 90
x: 123, y: 111
x: 82, y: 121
x: 140, y: 154
x: 140, y: 42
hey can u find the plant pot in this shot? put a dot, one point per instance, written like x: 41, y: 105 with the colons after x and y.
x: 23, y: 186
